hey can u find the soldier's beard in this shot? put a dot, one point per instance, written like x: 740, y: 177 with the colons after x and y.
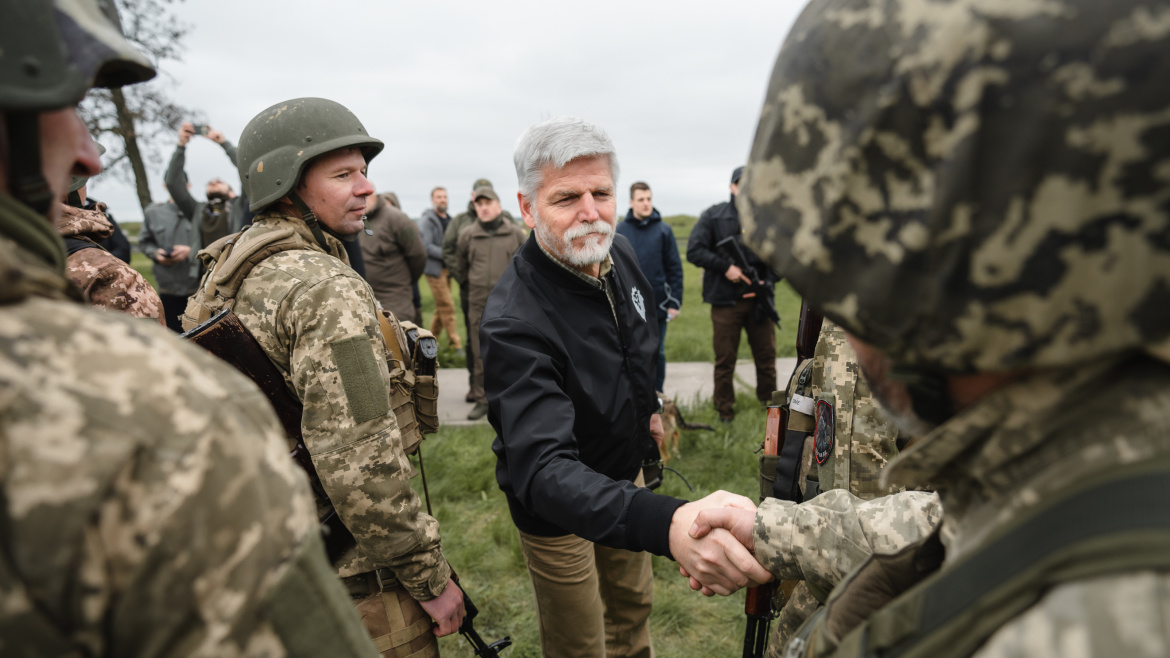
x: 592, y: 252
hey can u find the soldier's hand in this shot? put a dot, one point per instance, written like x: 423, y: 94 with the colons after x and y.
x: 446, y: 609
x: 735, y: 275
x: 186, y: 131
x: 738, y: 521
x: 716, y: 563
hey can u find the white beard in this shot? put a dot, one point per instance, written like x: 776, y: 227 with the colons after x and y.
x: 593, y: 251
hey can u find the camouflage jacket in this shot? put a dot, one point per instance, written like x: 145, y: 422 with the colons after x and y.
x: 317, y: 320
x: 1005, y: 455
x: 107, y: 281
x: 148, y: 504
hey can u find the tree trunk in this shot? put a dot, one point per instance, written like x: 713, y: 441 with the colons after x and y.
x: 126, y: 127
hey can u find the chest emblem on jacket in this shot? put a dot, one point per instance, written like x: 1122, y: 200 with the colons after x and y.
x: 639, y: 302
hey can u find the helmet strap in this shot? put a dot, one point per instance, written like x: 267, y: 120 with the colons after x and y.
x: 28, y: 182
x: 928, y: 391
x: 309, y: 218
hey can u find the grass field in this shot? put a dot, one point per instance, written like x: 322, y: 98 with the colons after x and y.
x: 482, y: 545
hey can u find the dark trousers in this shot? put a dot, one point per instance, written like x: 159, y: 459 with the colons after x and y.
x: 727, y: 322
x: 173, y: 307
x: 465, y: 304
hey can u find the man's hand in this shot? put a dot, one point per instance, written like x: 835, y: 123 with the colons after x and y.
x: 186, y: 132
x: 656, y: 431
x: 736, y: 275
x: 180, y: 252
x: 446, y: 609
x: 716, y: 563
x: 671, y: 314
x: 215, y: 136
x: 738, y: 521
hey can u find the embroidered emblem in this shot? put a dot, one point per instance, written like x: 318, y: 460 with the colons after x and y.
x: 823, y: 440
x: 639, y: 302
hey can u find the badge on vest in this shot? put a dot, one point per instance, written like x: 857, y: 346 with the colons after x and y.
x: 639, y: 302
x: 824, y: 437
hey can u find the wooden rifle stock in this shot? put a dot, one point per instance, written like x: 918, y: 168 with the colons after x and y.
x: 227, y: 338
x: 757, y: 605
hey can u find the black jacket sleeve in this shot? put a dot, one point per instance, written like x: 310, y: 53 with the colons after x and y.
x: 701, y: 246
x: 672, y: 266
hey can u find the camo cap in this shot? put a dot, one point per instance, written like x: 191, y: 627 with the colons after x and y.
x: 54, y: 51
x: 972, y: 186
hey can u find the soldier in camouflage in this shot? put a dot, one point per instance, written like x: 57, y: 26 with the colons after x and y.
x: 976, y: 193
x: 147, y: 504
x: 287, y: 279
x: 862, y: 441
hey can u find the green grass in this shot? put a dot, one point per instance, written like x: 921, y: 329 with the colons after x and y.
x: 481, y: 543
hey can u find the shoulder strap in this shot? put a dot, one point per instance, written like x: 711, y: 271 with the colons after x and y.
x: 1120, y: 523
x: 74, y: 245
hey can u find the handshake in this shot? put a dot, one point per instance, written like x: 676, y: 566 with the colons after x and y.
x: 712, y: 541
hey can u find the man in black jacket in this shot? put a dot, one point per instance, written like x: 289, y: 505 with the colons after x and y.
x: 734, y: 307
x: 570, y: 341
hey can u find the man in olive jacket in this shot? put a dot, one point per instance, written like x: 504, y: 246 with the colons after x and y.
x: 484, y: 250
x: 394, y: 257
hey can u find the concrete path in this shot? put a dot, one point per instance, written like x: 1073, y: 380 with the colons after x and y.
x: 688, y: 383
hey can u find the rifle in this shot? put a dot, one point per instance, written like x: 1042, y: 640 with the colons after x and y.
x: 757, y: 605
x: 227, y: 338
x: 731, y: 247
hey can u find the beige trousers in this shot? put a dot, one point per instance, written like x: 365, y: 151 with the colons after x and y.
x: 591, y: 601
x: 444, y: 309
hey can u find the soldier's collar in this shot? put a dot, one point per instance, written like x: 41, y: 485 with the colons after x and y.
x: 31, y: 231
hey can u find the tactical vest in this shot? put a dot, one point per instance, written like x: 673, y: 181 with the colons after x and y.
x: 1117, y: 523
x: 413, y: 381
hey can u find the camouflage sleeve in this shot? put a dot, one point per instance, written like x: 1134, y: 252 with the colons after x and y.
x: 1118, y: 615
x: 823, y: 539
x: 338, y: 367
x: 153, y: 504
x: 111, y: 284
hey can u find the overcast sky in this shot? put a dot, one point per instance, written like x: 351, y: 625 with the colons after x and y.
x: 450, y: 86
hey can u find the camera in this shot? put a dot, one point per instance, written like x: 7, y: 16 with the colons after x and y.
x: 201, y: 129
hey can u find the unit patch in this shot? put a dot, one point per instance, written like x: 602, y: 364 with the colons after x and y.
x: 825, y: 436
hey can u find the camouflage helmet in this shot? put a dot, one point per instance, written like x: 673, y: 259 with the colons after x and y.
x: 973, y: 187
x: 278, y: 142
x: 54, y: 51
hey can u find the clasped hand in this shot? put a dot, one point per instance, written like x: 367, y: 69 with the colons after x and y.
x: 706, y: 540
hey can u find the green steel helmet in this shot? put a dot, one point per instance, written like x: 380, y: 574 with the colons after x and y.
x: 55, y: 50
x: 278, y: 142
x: 972, y: 187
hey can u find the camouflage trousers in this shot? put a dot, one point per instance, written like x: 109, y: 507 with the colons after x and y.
x: 801, y: 605
x: 398, y: 625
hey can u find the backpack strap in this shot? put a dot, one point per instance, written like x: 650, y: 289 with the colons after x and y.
x: 1119, y: 523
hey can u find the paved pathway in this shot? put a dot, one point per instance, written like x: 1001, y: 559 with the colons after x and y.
x: 686, y: 382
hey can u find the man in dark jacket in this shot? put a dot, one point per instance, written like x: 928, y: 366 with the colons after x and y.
x: 431, y: 227
x: 569, y: 347
x: 733, y: 305
x: 394, y: 256
x: 653, y: 242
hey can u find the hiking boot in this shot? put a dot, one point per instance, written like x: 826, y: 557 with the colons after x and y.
x: 478, y: 411
x: 469, y: 397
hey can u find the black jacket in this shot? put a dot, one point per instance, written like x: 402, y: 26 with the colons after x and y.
x: 653, y: 242
x: 570, y: 397
x: 716, y: 223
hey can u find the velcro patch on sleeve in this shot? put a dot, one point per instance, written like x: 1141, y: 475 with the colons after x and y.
x: 358, y: 368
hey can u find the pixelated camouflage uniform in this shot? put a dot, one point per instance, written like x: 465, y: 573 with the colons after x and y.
x: 107, y: 281
x: 316, y: 319
x: 149, y: 504
x: 864, y: 442
x: 977, y: 187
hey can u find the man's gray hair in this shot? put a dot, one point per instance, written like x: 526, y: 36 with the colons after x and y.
x: 556, y: 142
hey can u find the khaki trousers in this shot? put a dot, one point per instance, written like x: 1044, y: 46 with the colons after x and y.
x: 444, y: 309
x: 591, y: 601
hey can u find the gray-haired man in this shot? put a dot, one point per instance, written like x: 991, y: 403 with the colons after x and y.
x: 569, y: 340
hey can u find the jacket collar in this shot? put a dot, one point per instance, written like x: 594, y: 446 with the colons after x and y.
x: 556, y: 271
x: 654, y: 217
x: 276, y: 219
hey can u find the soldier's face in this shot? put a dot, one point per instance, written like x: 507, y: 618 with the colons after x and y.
x: 439, y: 201
x: 574, y: 211
x: 642, y: 204
x: 66, y: 151
x: 335, y: 188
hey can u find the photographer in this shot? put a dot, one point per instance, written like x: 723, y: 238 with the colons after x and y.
x: 223, y: 213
